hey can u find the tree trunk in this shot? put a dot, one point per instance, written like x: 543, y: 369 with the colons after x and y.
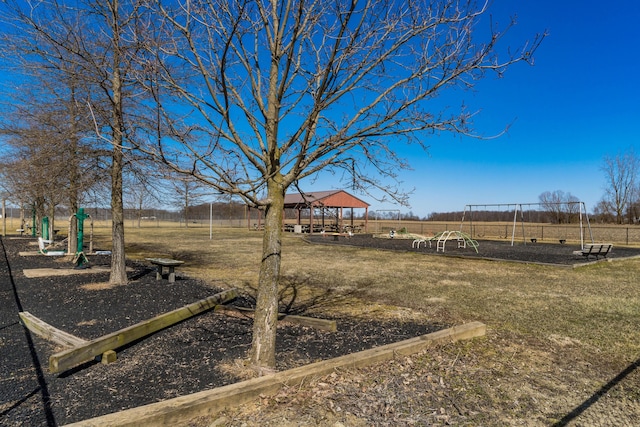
x: 73, y: 228
x: 52, y: 219
x: 118, y: 260
x: 39, y: 209
x: 263, y: 349
x: 74, y: 175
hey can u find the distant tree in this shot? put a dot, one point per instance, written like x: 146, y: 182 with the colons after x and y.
x: 633, y: 210
x: 601, y: 213
x: 140, y: 194
x: 445, y: 216
x: 35, y: 162
x: 621, y: 176
x: 562, y: 207
x: 187, y: 192
x: 410, y: 216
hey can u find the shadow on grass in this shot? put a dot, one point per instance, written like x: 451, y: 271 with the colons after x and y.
x: 597, y: 395
x: 299, y: 295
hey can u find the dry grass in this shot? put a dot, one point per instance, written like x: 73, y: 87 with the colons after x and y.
x: 556, y: 336
x: 98, y: 286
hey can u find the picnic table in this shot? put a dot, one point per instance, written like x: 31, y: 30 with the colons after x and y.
x: 171, y: 265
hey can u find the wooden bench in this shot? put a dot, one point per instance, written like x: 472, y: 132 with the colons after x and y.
x: 171, y: 264
x: 595, y: 249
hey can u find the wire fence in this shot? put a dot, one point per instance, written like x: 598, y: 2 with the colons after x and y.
x: 550, y: 233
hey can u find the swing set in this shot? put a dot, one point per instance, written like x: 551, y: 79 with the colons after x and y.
x: 518, y: 214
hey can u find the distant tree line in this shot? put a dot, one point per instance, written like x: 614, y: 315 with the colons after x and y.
x: 505, y: 215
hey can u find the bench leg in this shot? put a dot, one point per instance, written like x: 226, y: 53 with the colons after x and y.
x: 159, y: 273
x: 172, y: 274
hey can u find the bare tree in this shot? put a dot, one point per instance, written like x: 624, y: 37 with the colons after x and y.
x: 47, y: 105
x: 36, y: 161
x: 621, y: 173
x: 602, y: 214
x: 560, y: 206
x: 90, y: 42
x: 139, y: 194
x: 284, y: 90
x: 633, y: 211
x: 186, y: 192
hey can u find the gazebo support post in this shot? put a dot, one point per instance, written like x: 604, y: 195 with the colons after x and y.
x: 311, y: 219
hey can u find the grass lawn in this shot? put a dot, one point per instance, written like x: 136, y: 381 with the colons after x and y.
x: 562, y: 347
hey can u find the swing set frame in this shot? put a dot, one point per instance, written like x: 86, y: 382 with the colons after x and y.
x: 517, y: 209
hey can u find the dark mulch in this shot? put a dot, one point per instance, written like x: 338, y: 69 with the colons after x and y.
x: 195, y: 355
x: 539, y: 252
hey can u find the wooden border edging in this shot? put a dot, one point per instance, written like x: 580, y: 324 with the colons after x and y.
x: 179, y: 410
x: 46, y: 331
x: 72, y: 357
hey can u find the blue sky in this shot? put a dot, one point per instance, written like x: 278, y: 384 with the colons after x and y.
x: 578, y: 103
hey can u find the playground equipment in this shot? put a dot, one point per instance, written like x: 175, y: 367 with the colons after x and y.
x: 441, y: 239
x: 462, y: 239
x: 80, y: 259
x: 33, y: 222
x: 44, y: 250
x: 45, y: 228
x: 518, y: 212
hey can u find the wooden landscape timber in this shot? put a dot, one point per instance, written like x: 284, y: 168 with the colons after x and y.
x: 46, y: 331
x: 181, y: 410
x: 73, y: 357
x: 35, y: 253
x: 48, y: 272
x: 312, y: 322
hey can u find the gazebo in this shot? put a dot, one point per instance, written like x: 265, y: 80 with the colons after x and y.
x: 331, y: 204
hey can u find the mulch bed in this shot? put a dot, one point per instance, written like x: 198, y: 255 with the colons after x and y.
x: 539, y: 252
x: 197, y: 354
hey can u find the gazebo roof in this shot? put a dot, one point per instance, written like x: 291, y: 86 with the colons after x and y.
x: 326, y: 199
